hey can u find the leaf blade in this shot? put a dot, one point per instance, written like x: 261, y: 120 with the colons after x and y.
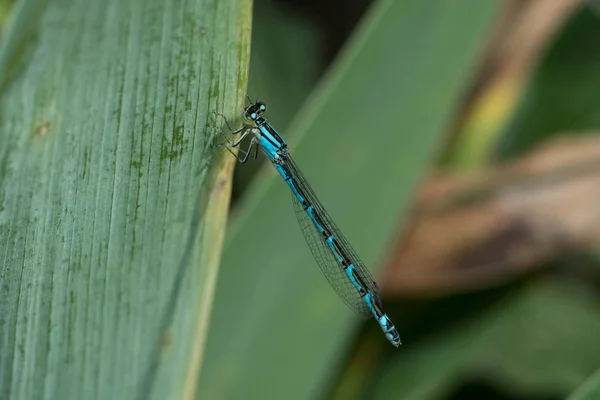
x: 112, y: 204
x: 272, y: 311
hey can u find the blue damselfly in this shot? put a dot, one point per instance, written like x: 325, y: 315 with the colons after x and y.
x: 339, y: 262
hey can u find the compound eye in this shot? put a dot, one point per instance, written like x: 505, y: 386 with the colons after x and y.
x: 263, y: 107
x: 253, y: 116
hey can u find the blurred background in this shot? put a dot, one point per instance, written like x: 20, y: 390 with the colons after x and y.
x: 501, y: 236
x: 492, y: 272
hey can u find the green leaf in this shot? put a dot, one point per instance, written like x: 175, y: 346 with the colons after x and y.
x: 535, y: 342
x: 428, y: 371
x: 543, y: 341
x: 589, y: 390
x: 364, y: 140
x: 112, y: 203
x: 286, y: 58
x: 5, y: 9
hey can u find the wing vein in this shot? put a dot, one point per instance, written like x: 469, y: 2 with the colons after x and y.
x: 330, y: 266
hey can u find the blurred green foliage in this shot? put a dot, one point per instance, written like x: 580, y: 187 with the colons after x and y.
x: 589, y: 390
x: 533, y: 339
x: 366, y: 128
x: 287, y: 52
x: 5, y: 10
x: 562, y: 96
x: 364, y: 138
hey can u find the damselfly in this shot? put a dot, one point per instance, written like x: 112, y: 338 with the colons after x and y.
x: 339, y: 262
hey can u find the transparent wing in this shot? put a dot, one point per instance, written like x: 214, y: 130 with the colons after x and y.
x: 333, y: 271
